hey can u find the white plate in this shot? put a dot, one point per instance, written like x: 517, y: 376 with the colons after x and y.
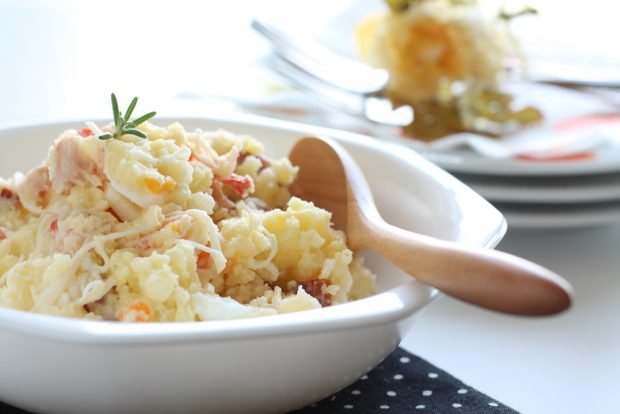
x: 548, y: 216
x: 270, y: 364
x: 547, y: 190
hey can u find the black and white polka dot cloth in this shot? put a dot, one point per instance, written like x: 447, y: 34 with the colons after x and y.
x: 405, y: 383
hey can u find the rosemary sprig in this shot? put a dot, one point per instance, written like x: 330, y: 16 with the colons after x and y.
x: 400, y: 6
x: 122, y: 124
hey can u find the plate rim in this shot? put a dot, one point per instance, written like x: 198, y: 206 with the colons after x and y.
x: 556, y: 218
x: 519, y: 192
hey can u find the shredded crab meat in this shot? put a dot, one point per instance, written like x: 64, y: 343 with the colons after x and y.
x: 34, y: 189
x: 71, y: 165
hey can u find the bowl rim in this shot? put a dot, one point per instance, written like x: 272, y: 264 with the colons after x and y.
x: 381, y: 308
x: 384, y: 307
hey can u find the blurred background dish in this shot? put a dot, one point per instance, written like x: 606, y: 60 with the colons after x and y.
x: 446, y: 59
x: 449, y: 61
x: 546, y: 190
x: 428, y: 51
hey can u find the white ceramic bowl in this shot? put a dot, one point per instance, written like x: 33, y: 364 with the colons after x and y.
x: 269, y: 364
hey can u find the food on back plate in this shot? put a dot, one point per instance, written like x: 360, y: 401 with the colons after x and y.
x: 446, y: 59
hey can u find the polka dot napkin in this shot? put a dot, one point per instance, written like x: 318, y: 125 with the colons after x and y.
x: 405, y: 383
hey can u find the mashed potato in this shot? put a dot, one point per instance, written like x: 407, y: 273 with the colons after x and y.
x: 180, y: 226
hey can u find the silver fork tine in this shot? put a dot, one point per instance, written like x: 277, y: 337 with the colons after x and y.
x: 325, y: 65
x: 377, y: 109
x: 341, y: 100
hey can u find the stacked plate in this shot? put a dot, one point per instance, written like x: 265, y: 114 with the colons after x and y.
x: 576, y: 181
x: 538, y: 194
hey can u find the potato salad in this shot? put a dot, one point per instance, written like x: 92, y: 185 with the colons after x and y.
x: 167, y: 225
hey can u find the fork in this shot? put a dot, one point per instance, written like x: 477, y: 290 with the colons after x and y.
x: 377, y: 109
x: 323, y: 64
x: 344, y: 84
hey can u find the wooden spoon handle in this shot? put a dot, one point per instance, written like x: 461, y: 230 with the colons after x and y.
x: 485, y: 277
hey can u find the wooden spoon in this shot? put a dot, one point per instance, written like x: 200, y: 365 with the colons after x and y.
x: 330, y: 178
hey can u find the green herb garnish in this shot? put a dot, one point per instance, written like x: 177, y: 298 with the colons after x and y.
x: 122, y: 124
x: 400, y: 6
x: 507, y: 15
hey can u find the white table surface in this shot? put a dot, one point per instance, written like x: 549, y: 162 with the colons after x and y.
x: 563, y: 364
x: 62, y: 59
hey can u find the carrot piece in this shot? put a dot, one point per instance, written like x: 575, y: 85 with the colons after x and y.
x: 203, y: 261
x: 136, y: 312
x: 86, y: 132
